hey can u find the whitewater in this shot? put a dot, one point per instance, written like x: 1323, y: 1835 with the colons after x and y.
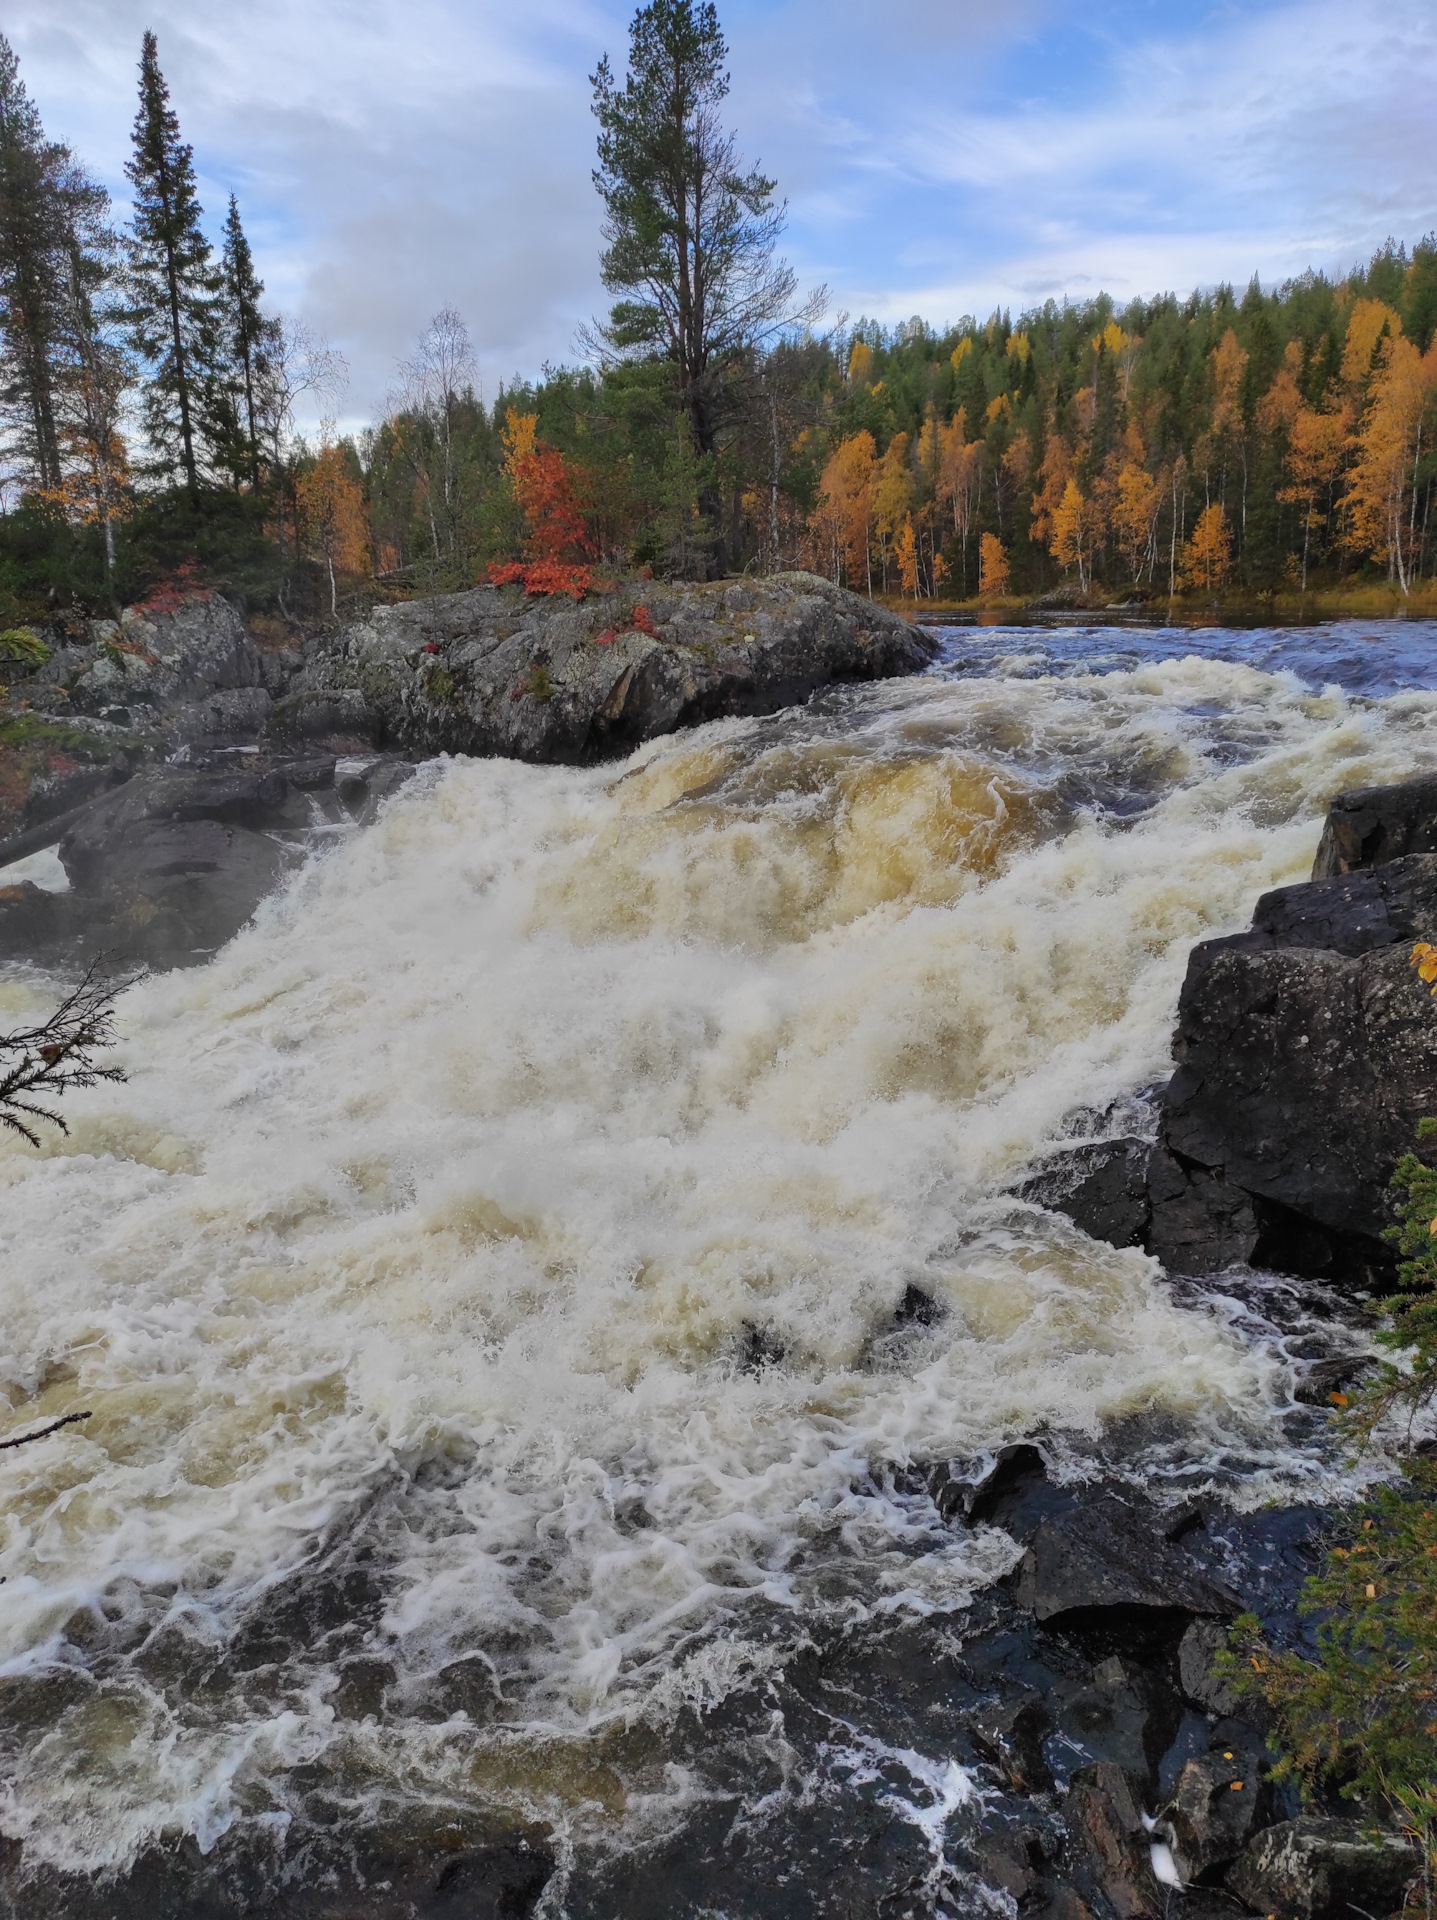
x: 494, y: 1284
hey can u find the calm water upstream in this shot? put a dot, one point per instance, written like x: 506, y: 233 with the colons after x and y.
x: 487, y: 1282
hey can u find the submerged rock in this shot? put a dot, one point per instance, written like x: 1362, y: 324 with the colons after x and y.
x: 488, y: 672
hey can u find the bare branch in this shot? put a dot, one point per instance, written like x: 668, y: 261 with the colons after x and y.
x: 48, y: 1060
x: 42, y: 1433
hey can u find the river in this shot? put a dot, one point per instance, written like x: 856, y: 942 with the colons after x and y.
x: 525, y: 1274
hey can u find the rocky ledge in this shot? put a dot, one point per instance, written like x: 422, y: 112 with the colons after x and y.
x: 488, y: 672
x: 1306, y: 1053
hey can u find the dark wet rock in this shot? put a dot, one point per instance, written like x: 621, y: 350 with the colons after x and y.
x: 1220, y: 1801
x: 1011, y: 1862
x: 1102, y: 1186
x: 1371, y: 825
x: 1302, y: 1076
x: 1314, y: 1868
x: 1357, y: 914
x: 1122, y: 1711
x: 1104, y: 1554
x: 1198, y: 1650
x: 1012, y: 1491
x: 489, y: 672
x: 170, y: 865
x: 1104, y: 1812
x: 1306, y: 1053
x: 62, y: 792
x: 398, y: 1864
x: 1010, y: 1733
x: 800, y: 1862
x: 237, y: 714
x: 33, y: 919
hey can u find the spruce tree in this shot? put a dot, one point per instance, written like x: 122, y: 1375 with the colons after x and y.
x: 173, y: 312
x: 32, y: 170
x: 247, y: 335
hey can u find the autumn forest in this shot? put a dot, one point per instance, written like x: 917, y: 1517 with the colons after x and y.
x: 1272, y: 440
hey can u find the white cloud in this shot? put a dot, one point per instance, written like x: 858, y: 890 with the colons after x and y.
x: 941, y: 156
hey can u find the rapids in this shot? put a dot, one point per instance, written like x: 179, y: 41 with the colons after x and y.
x: 494, y: 1284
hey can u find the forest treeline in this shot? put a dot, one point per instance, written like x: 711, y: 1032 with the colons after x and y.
x: 1278, y: 439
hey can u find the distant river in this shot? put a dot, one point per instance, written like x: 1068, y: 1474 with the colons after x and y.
x: 489, y: 1283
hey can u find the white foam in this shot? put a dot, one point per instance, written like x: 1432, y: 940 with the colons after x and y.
x: 443, y: 1201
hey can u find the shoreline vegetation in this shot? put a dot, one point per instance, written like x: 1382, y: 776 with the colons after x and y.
x: 1354, y: 601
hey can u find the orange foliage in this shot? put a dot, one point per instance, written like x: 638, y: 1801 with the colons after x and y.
x: 333, y: 524
x: 544, y: 487
x: 542, y: 577
x: 992, y: 566
x: 1380, y: 507
x: 1207, y: 557
x: 843, y: 518
x: 905, y: 552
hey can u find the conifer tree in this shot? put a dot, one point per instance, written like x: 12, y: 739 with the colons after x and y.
x: 690, y: 236
x: 247, y: 335
x: 173, y: 287
x: 32, y: 170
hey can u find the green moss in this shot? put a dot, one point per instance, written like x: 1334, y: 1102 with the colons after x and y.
x: 440, y: 687
x: 24, y: 645
x: 541, y: 687
x: 19, y: 730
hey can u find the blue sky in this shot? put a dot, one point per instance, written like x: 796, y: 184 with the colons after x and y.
x: 940, y: 157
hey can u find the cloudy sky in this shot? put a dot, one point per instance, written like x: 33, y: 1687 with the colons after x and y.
x: 939, y: 156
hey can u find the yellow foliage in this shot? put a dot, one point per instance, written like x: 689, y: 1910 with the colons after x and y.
x: 905, y: 551
x: 1135, y: 515
x: 999, y: 409
x: 860, y: 364
x: 843, y: 517
x: 1366, y: 323
x: 992, y: 566
x: 1389, y: 445
x: 1019, y: 348
x: 519, y: 433
x: 960, y: 352
x: 1424, y: 958
x: 1207, y: 557
x: 893, y: 492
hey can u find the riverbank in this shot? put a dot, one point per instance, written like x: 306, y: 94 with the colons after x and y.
x: 1371, y: 600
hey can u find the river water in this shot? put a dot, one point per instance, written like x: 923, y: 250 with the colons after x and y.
x: 490, y: 1283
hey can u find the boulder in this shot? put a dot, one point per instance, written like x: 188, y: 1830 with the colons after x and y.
x: 1371, y: 825
x: 1104, y: 1814
x: 1322, y: 1869
x: 1220, y: 1801
x: 1104, y: 1555
x: 1303, y: 1073
x: 490, y: 672
x: 1197, y: 1668
x: 169, y: 866
x: 1010, y: 1733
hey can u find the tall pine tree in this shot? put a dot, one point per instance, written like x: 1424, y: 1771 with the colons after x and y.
x: 174, y: 290
x: 247, y: 334
x: 32, y: 174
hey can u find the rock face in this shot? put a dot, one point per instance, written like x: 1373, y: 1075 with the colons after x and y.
x: 1306, y: 1053
x: 149, y: 661
x: 488, y: 672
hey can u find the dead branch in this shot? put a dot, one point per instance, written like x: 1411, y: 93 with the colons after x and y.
x: 24, y: 1439
x: 50, y: 1059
